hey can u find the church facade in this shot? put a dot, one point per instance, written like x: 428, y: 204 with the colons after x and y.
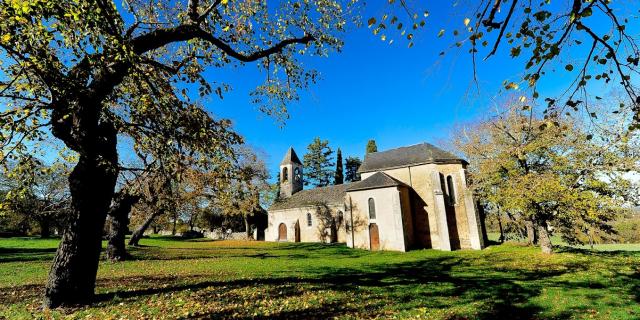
x: 409, y: 197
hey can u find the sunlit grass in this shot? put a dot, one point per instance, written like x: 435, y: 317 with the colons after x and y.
x: 172, y: 278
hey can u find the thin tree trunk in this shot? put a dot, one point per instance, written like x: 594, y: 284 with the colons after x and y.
x: 137, y: 235
x: 175, y: 222
x: 45, y: 228
x: 119, y: 222
x: 501, y: 239
x: 73, y: 273
x: 247, y: 227
x: 545, y: 238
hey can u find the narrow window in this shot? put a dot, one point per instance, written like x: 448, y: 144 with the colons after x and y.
x: 309, y: 222
x: 340, y: 217
x: 443, y: 185
x: 451, y: 190
x: 372, y: 209
x: 285, y: 174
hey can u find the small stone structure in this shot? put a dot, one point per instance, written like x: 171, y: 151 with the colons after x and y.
x: 409, y: 197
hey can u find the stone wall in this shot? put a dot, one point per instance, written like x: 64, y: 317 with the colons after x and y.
x: 389, y: 218
x: 319, y: 231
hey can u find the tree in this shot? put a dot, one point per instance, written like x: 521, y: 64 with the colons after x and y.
x: 547, y: 37
x: 351, y: 169
x: 318, y: 165
x: 243, y: 195
x: 339, y: 177
x: 123, y: 202
x: 371, y: 146
x: 549, y: 172
x: 39, y: 195
x: 91, y: 72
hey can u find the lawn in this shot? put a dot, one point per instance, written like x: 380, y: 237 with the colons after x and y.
x: 171, y: 278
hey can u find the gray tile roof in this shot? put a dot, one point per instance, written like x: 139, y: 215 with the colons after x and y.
x: 311, y: 197
x: 375, y: 181
x: 405, y: 156
x: 290, y: 157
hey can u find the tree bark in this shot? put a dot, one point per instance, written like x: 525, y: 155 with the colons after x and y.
x: 545, y: 238
x: 45, y: 228
x: 73, y: 272
x: 483, y: 225
x: 502, y: 238
x: 175, y: 222
x: 119, y: 222
x: 532, y: 238
x: 137, y: 235
x: 247, y: 227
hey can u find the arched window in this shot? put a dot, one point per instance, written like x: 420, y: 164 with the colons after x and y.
x: 296, y: 175
x: 309, y: 222
x: 285, y: 174
x: 340, y: 217
x: 451, y: 190
x: 372, y: 209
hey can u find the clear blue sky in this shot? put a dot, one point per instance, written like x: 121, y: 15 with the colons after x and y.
x: 373, y: 90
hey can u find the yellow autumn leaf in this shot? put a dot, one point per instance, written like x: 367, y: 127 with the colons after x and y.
x: 466, y: 21
x: 224, y: 2
x: 6, y: 38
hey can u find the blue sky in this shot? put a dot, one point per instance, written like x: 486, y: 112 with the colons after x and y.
x: 372, y: 90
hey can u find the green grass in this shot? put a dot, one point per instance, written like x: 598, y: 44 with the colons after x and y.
x: 171, y: 278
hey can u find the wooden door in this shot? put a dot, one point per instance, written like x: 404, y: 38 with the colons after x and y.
x: 374, y: 237
x: 297, y: 230
x: 282, y: 232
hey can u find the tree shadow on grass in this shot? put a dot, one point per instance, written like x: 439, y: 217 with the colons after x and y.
x: 465, y: 286
x: 430, y: 284
x: 26, y: 254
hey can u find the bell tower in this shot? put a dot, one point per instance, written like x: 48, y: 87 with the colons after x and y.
x: 290, y: 174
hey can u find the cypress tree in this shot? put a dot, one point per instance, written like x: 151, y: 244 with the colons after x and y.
x: 339, y: 175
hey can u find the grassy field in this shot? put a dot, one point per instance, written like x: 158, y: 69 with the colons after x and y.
x: 171, y: 278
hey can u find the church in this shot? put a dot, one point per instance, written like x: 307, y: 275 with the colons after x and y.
x: 408, y: 198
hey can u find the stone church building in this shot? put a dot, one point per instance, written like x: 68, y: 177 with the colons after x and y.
x: 409, y: 197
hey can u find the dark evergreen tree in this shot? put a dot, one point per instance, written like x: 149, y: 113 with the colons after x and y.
x: 318, y: 165
x: 339, y: 175
x: 351, y: 169
x: 371, y: 146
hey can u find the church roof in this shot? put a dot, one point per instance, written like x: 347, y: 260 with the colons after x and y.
x: 375, y: 181
x: 290, y: 157
x: 311, y: 197
x: 405, y: 156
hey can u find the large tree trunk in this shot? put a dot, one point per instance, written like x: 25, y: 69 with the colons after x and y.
x: 137, y: 235
x: 119, y: 214
x: 545, y: 238
x: 532, y: 237
x: 73, y: 272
